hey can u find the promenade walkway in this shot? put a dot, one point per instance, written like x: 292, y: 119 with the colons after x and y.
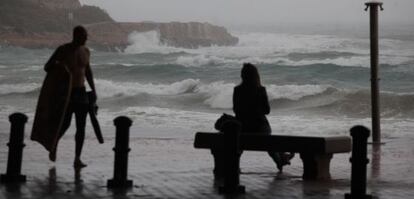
x: 172, y: 168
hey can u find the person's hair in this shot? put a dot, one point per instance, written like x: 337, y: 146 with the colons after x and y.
x: 79, y: 34
x: 250, y: 75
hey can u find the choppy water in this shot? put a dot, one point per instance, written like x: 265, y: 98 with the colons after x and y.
x: 315, y: 83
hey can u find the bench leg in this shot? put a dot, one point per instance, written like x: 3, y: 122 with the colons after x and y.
x: 218, y: 163
x: 316, y: 166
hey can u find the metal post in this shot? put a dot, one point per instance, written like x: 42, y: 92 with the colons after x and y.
x: 121, y: 150
x: 376, y: 161
x: 359, y: 163
x: 232, y: 159
x: 16, y: 145
x: 375, y: 102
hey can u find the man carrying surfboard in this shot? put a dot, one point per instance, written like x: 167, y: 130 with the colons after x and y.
x: 64, y: 94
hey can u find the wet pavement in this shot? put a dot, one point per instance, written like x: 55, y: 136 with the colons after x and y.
x: 172, y: 168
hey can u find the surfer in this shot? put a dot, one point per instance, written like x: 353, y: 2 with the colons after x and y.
x: 75, y: 56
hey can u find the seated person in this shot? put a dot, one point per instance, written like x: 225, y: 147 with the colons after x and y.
x: 251, y: 105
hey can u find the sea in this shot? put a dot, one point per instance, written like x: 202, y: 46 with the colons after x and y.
x: 317, y: 83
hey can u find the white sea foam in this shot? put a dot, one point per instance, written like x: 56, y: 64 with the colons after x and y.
x: 18, y: 88
x: 32, y: 68
x: 215, y: 94
x: 170, y: 118
x: 147, y: 42
x: 108, y: 88
x: 332, y: 126
x: 268, y: 48
x: 201, y: 60
x: 125, y: 64
x: 193, y: 121
x: 218, y: 94
x: 294, y: 92
x: 353, y: 61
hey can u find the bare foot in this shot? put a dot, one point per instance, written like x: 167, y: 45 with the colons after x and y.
x: 279, y: 163
x: 79, y: 164
x: 286, y: 157
x: 52, y: 155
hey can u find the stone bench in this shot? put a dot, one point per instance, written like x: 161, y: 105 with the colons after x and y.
x: 315, y: 152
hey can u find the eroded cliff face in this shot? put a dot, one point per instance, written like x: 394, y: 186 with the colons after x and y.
x: 48, y: 23
x: 194, y: 34
x: 184, y: 35
x: 58, y: 4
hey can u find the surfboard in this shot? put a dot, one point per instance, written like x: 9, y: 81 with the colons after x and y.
x: 51, y: 106
x: 93, y: 111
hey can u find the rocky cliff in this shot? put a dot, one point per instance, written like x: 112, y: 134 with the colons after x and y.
x: 185, y: 35
x: 192, y: 35
x: 48, y: 23
x: 57, y: 4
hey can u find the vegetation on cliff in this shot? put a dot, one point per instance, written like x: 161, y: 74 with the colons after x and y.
x: 26, y: 16
x: 48, y: 23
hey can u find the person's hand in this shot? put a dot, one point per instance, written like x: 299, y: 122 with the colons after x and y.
x: 95, y: 109
x: 94, y: 97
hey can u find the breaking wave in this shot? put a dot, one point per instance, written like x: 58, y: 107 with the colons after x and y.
x: 147, y: 42
x: 270, y: 48
x: 214, y: 95
x: 218, y: 95
x: 109, y: 88
x: 7, y: 89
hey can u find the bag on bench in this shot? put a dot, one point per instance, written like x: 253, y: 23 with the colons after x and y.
x: 222, y: 120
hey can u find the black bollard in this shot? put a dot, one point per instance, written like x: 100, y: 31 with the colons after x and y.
x: 121, y: 150
x: 232, y: 154
x: 359, y: 163
x: 16, y: 145
x: 219, y: 163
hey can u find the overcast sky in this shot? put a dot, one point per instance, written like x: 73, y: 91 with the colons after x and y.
x: 247, y: 12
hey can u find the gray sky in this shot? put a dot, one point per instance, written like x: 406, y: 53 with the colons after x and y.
x: 239, y: 12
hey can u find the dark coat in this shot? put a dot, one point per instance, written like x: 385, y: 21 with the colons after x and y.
x: 250, y: 104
